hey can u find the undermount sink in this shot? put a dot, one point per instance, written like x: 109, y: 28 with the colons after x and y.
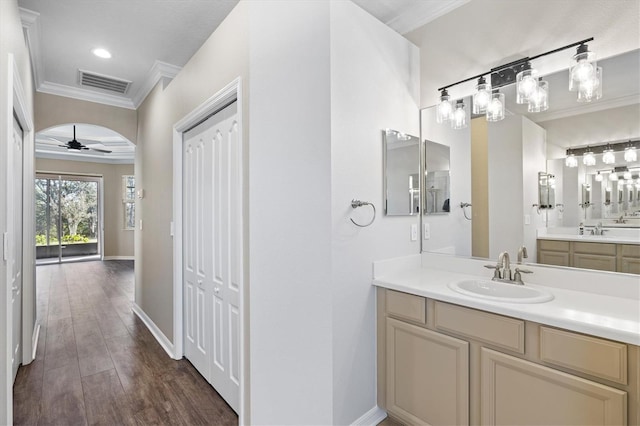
x: 501, y: 292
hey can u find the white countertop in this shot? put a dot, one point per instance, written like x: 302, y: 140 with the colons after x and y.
x: 613, y: 239
x: 607, y: 316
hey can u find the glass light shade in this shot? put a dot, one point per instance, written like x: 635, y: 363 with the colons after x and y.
x: 539, y: 99
x: 582, y: 67
x: 608, y: 157
x: 571, y: 161
x: 495, y: 109
x: 589, y: 159
x: 630, y: 154
x: 598, y: 177
x: 591, y: 90
x: 627, y: 175
x: 459, y: 120
x: 444, y: 110
x: 482, y: 97
x: 613, y: 177
x: 526, y: 83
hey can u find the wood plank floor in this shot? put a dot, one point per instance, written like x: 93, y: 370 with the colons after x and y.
x: 98, y: 364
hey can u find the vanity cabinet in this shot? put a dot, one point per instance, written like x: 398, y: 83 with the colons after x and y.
x: 445, y: 364
x: 590, y: 255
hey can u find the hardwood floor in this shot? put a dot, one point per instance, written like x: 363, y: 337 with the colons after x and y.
x: 98, y: 364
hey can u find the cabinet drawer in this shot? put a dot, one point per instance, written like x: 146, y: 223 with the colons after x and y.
x: 594, y: 261
x: 406, y: 306
x: 629, y: 250
x: 594, y: 248
x: 507, y: 333
x: 589, y: 355
x: 553, y: 245
x: 553, y: 258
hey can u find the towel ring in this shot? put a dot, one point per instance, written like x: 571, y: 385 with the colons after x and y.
x: 464, y: 206
x: 357, y: 203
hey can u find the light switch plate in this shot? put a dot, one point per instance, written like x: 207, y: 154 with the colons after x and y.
x: 527, y: 219
x: 414, y: 232
x: 427, y: 231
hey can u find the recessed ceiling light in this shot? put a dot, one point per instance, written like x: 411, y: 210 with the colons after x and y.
x: 102, y: 53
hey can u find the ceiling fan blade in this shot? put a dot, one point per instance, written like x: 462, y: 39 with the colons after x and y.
x: 106, y: 151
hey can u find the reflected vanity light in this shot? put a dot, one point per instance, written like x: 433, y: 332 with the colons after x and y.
x: 630, y: 154
x: 608, y: 157
x: 613, y: 176
x: 589, y: 158
x: 627, y: 175
x: 598, y: 177
x: 571, y: 160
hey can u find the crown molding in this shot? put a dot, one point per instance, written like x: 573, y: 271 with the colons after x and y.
x: 160, y: 71
x: 85, y: 95
x: 582, y: 108
x: 31, y: 28
x: 421, y: 14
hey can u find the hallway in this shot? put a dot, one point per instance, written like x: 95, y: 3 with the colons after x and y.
x: 97, y: 363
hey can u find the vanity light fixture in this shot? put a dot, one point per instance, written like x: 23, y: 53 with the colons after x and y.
x: 586, y: 78
x: 526, y: 83
x: 482, y: 97
x: 613, y: 176
x: 589, y: 158
x: 459, y: 120
x: 495, y: 109
x: 444, y: 110
x: 539, y: 99
x: 627, y: 175
x: 582, y: 68
x: 608, y: 157
x: 630, y: 154
x: 571, y: 160
x: 598, y: 177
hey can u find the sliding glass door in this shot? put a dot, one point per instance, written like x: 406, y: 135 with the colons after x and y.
x: 68, y: 220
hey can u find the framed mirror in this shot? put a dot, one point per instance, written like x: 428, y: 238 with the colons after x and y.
x: 546, y: 190
x: 401, y: 173
x: 437, y: 182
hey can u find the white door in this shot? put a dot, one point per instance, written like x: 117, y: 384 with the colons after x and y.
x: 212, y: 273
x: 15, y: 259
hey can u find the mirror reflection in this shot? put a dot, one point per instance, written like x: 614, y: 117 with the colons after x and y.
x: 501, y: 163
x: 437, y: 191
x: 401, y: 173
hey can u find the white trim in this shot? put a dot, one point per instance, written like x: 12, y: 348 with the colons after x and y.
x: 371, y: 417
x: 85, y: 95
x: 227, y: 94
x: 159, y: 71
x: 31, y: 26
x: 34, y: 340
x: 600, y: 105
x: 89, y: 158
x: 119, y: 257
x: 422, y: 13
x: 153, y: 328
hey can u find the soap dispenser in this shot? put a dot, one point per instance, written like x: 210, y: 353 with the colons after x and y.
x: 581, y: 229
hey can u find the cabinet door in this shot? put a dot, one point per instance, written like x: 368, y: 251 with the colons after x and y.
x: 518, y: 392
x: 629, y: 265
x: 427, y: 376
x: 553, y: 258
x: 594, y: 261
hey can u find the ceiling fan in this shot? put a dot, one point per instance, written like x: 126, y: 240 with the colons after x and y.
x: 78, y: 146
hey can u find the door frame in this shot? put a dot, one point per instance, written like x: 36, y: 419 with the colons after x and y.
x: 231, y: 92
x: 17, y: 102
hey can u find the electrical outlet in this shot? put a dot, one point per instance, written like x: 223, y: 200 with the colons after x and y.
x: 527, y: 219
x: 414, y: 232
x: 559, y: 215
x: 427, y: 231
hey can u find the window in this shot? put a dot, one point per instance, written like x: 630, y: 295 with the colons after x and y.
x: 129, y: 201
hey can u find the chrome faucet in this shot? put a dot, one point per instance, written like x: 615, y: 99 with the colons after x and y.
x: 522, y: 254
x: 502, y: 269
x: 621, y: 219
x: 598, y: 229
x: 505, y: 266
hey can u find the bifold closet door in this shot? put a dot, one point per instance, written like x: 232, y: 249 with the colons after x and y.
x: 15, y: 255
x: 212, y: 251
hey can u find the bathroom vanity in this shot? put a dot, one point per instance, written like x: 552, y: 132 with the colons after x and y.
x: 449, y: 358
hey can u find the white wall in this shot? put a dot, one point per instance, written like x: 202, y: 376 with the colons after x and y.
x: 290, y: 216
x: 374, y: 85
x: 451, y: 233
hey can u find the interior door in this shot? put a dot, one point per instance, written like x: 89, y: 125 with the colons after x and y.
x: 212, y: 218
x: 15, y: 260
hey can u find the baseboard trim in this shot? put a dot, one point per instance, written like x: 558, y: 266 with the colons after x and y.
x: 371, y: 417
x: 118, y: 258
x: 34, y: 340
x: 153, y: 328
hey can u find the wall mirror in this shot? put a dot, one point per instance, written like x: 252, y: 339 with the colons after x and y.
x: 546, y: 190
x: 401, y: 173
x: 437, y: 193
x: 495, y: 166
